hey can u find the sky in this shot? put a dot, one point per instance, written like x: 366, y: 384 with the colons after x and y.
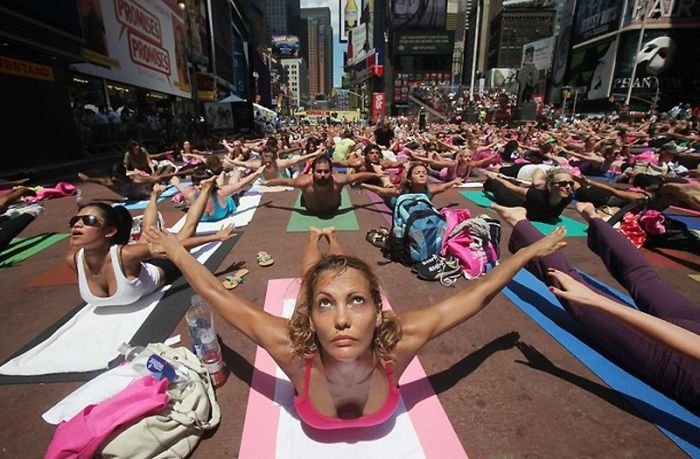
x: 338, y: 48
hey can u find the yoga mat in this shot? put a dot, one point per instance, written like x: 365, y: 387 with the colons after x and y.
x: 85, y: 327
x: 693, y: 223
x: 533, y: 297
x: 573, y: 228
x: 273, y: 430
x: 695, y: 277
x: 247, y: 206
x: 344, y: 218
x: 381, y: 206
x: 21, y: 249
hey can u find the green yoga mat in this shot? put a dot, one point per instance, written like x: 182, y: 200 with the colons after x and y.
x: 573, y: 228
x: 344, y: 218
x: 21, y: 249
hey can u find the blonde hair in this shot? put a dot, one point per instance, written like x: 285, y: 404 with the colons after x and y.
x: 303, y: 338
x: 553, y: 172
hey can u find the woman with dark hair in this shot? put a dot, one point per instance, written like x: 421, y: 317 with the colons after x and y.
x: 342, y: 352
x: 415, y: 181
x: 221, y: 203
x: 113, y: 272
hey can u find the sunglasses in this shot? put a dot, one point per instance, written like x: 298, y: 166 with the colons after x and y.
x: 88, y: 220
x: 564, y: 183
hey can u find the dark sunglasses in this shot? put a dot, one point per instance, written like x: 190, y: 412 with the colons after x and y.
x: 563, y: 183
x: 88, y: 220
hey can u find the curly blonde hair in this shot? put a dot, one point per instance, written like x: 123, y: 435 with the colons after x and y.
x: 304, y: 341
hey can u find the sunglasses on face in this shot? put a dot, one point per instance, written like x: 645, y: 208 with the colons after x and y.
x: 88, y: 220
x: 563, y: 183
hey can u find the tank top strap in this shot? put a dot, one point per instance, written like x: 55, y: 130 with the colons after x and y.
x: 389, y: 367
x: 307, y: 376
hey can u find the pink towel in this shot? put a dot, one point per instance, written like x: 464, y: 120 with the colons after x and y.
x: 60, y: 190
x: 83, y: 435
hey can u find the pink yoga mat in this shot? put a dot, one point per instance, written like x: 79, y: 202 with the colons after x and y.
x: 431, y: 429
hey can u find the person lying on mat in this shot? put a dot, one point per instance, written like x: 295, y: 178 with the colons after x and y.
x: 371, y: 162
x: 542, y: 204
x: 112, y: 272
x: 342, y: 352
x: 321, y: 191
x: 652, y: 348
x: 416, y: 181
x: 221, y: 203
x: 274, y: 167
x: 451, y: 169
x: 132, y: 187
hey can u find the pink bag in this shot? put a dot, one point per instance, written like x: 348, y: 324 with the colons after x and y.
x: 60, y: 190
x: 473, y: 263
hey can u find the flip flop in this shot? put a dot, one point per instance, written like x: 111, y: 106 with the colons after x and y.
x: 231, y: 282
x: 265, y: 259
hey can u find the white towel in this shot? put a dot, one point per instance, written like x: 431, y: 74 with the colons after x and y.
x: 244, y: 214
x: 89, y: 340
x: 470, y: 185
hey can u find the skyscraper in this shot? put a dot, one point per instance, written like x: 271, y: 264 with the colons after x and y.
x: 282, y: 15
x: 320, y: 49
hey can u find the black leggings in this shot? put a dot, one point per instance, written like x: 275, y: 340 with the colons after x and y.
x: 10, y: 227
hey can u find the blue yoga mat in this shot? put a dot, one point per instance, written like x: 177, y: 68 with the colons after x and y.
x: 693, y: 223
x: 533, y: 297
x: 140, y: 205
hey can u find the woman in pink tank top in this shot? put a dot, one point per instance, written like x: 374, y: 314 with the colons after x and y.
x: 347, y: 352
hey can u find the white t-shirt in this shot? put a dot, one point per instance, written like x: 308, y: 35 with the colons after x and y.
x: 528, y: 170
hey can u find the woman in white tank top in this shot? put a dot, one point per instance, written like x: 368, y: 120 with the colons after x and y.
x: 112, y: 272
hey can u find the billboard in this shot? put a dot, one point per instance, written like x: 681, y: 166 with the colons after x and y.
x: 668, y: 62
x: 362, y: 35
x: 285, y: 45
x: 349, y: 17
x: 538, y: 53
x: 675, y: 12
x: 591, y: 69
x: 139, y: 42
x: 594, y: 18
x: 418, y: 14
x: 424, y: 42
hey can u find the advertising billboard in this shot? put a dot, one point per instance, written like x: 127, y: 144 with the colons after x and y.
x: 561, y: 50
x: 538, y: 53
x: 285, y: 45
x: 139, y: 42
x: 668, y: 62
x: 349, y: 18
x: 418, y: 14
x: 594, y: 18
x: 662, y: 12
x: 591, y: 69
x: 362, y: 35
x: 424, y: 42
x: 378, y: 106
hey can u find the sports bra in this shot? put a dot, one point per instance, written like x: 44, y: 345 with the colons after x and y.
x: 308, y: 413
x: 128, y: 291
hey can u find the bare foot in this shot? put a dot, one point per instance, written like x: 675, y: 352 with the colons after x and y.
x: 511, y: 215
x: 315, y: 233
x: 587, y: 210
x: 329, y: 232
x: 82, y: 176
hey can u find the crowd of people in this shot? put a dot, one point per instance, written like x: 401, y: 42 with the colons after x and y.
x: 348, y: 353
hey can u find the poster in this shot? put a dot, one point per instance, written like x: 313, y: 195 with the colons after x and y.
x: 591, y: 69
x: 142, y: 42
x: 418, y: 14
x: 378, y: 106
x: 349, y: 17
x: 538, y: 53
x: 595, y: 18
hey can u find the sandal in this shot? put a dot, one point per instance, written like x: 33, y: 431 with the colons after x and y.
x: 376, y: 238
x: 231, y: 282
x: 265, y: 259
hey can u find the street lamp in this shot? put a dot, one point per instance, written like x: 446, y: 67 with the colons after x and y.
x: 184, y: 6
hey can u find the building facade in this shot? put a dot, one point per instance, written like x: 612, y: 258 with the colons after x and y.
x: 514, y: 27
x: 297, y: 82
x: 319, y: 56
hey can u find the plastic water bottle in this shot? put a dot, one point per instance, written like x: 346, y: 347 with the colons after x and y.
x: 200, y: 325
x: 146, y: 362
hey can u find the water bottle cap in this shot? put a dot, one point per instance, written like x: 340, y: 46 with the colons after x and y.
x: 123, y: 349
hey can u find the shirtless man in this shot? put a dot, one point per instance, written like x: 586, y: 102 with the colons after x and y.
x: 320, y: 192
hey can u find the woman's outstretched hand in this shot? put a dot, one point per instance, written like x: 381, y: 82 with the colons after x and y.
x: 571, y: 289
x: 226, y: 232
x: 549, y: 244
x: 160, y: 242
